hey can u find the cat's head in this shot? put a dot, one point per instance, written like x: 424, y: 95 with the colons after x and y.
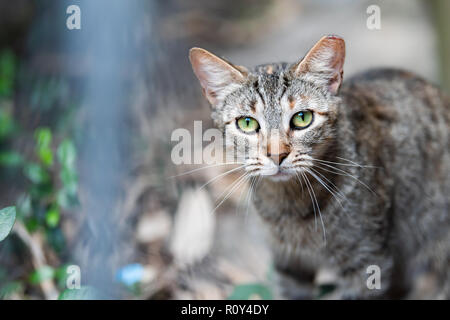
x: 277, y: 117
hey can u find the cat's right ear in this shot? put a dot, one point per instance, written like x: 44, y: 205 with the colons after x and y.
x: 217, y: 76
x: 324, y: 63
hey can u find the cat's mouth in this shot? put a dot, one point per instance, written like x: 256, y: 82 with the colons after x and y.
x: 268, y: 169
x: 279, y: 174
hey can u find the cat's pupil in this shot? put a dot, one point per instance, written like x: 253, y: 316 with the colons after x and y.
x: 301, y: 115
x: 247, y: 121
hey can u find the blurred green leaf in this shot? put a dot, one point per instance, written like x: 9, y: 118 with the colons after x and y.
x: 7, y: 124
x: 84, y: 293
x: 66, y: 200
x: 251, y: 290
x: 70, y: 180
x: 32, y: 224
x: 11, y: 159
x: 135, y: 289
x: 10, y: 288
x: 41, y: 191
x: 43, y: 137
x: 62, y: 199
x: 46, y: 156
x: 67, y: 154
x: 61, y: 276
x: 56, y: 239
x: 325, y: 289
x: 36, y: 173
x: 42, y: 274
x: 52, y: 217
x: 7, y: 219
x: 43, y: 144
x: 24, y: 206
x: 7, y: 73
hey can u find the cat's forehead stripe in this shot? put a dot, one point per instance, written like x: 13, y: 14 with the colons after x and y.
x: 292, y: 102
x: 269, y: 87
x: 253, y: 105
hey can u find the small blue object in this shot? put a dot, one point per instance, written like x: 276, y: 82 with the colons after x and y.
x: 130, y: 274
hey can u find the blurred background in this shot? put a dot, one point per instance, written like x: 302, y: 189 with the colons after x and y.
x: 86, y: 117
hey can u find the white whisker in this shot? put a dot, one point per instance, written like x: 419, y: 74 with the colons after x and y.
x: 326, y: 187
x: 315, y: 176
x: 344, y: 173
x: 249, y: 194
x: 206, y: 167
x: 312, y: 201
x: 332, y: 185
x: 299, y: 180
x: 359, y: 165
x: 320, y: 214
x: 221, y: 175
x: 344, y: 164
x: 235, y: 184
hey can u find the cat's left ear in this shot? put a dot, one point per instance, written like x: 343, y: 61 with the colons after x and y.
x: 324, y: 63
x: 216, y: 76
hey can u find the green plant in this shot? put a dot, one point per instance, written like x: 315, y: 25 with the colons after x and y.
x: 7, y: 219
x: 43, y: 169
x: 52, y: 189
x: 251, y: 290
x: 84, y: 293
x: 8, y: 66
x: 53, y: 185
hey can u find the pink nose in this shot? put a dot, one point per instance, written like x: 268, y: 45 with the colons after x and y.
x: 278, y: 158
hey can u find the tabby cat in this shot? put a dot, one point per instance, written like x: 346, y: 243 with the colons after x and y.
x: 357, y: 176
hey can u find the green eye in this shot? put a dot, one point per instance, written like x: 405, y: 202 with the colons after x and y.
x: 302, y: 119
x: 247, y: 124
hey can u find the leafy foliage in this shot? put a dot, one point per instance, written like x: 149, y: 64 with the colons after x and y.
x: 251, y: 290
x: 10, y: 288
x: 84, y: 293
x: 52, y: 189
x: 42, y: 274
x: 11, y: 159
x: 43, y: 147
x: 45, y: 171
x: 48, y: 195
x: 7, y: 125
x: 7, y: 73
x: 7, y: 219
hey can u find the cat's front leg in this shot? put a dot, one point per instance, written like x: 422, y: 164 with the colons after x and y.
x: 294, y: 286
x: 367, y: 282
x: 287, y: 287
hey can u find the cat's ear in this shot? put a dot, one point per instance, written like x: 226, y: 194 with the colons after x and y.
x: 324, y: 63
x: 216, y: 75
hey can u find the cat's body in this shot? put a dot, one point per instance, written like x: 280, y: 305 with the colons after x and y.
x: 405, y: 219
x: 366, y: 182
